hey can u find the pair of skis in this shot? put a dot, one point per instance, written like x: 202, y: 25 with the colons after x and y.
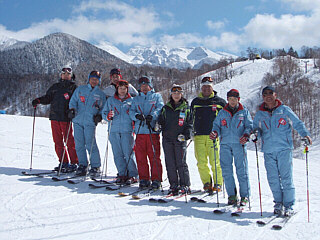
x: 276, y: 225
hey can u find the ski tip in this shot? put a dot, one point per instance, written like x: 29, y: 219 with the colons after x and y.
x: 136, y: 197
x: 202, y: 201
x: 194, y: 199
x: 276, y: 227
x: 162, y: 201
x: 217, y: 211
x: 235, y: 214
x: 153, y: 200
x: 261, y: 223
x: 55, y: 179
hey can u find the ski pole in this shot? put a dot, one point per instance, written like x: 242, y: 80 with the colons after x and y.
x: 306, y: 150
x: 104, y: 167
x: 245, y: 168
x: 258, y: 170
x: 64, y: 148
x: 34, y: 121
x: 215, y: 163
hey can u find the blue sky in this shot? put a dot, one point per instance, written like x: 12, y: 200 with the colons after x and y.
x: 228, y: 25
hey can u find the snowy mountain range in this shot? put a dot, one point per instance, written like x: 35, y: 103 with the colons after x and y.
x: 180, y: 58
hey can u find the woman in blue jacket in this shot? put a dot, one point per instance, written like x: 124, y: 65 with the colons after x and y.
x: 233, y: 125
x: 116, y: 110
x: 85, y: 110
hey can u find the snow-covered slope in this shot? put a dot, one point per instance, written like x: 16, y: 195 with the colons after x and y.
x: 10, y: 43
x: 38, y: 208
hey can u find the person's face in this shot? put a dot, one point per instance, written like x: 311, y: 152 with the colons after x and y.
x: 206, y: 90
x: 233, y: 101
x: 176, y: 96
x: 145, y: 88
x: 93, y: 81
x: 66, y: 76
x: 269, y: 97
x: 122, y: 90
x: 115, y: 78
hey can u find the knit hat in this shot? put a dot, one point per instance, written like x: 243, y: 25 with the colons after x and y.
x: 268, y: 88
x: 95, y: 74
x: 233, y: 93
x: 115, y: 71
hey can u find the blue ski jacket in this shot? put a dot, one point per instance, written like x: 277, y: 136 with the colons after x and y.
x: 121, y: 123
x: 146, y: 104
x: 275, y: 128
x: 87, y: 102
x: 231, y: 128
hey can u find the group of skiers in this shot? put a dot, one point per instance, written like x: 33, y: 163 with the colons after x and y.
x: 219, y: 129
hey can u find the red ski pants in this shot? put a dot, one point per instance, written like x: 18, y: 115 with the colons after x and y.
x: 59, y: 134
x: 144, y: 151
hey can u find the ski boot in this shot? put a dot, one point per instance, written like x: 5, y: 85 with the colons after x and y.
x: 232, y: 200
x: 72, y: 168
x: 81, y: 171
x: 207, y: 187
x: 64, y: 167
x: 185, y: 189
x: 174, y: 190
x: 131, y: 180
x: 155, y: 184
x: 244, y: 201
x: 277, y: 209
x: 144, y: 184
x: 288, y: 211
x: 216, y: 188
x: 95, y: 172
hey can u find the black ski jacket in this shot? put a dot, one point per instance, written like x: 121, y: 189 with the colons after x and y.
x: 204, y: 112
x: 59, y: 95
x: 175, y: 121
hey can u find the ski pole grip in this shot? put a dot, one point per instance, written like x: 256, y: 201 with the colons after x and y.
x: 306, y: 141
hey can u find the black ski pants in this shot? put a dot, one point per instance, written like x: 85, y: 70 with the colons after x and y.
x: 175, y: 158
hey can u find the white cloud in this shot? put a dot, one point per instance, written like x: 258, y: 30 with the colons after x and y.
x: 215, y: 25
x: 303, y: 5
x: 288, y: 30
x: 123, y: 24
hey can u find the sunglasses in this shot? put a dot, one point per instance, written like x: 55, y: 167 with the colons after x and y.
x: 66, y: 70
x: 144, y: 80
x: 176, y: 89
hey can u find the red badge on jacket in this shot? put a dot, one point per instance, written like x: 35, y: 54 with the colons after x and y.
x: 214, y: 108
x: 282, y: 121
x: 66, y: 96
x: 82, y: 99
x: 224, y: 122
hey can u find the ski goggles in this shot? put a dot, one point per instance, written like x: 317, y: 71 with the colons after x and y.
x: 176, y: 89
x: 66, y: 70
x: 144, y: 80
x: 206, y: 81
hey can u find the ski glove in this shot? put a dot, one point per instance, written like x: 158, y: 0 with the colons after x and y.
x: 244, y: 139
x: 254, y: 137
x: 97, y: 118
x: 181, y: 138
x: 35, y: 102
x: 71, y: 113
x: 110, y: 115
x: 213, y: 135
x: 140, y: 117
x: 148, y: 119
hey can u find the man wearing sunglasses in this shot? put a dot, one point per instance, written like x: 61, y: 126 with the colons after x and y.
x: 274, y: 122
x: 115, y: 77
x: 58, y: 96
x: 204, y: 109
x: 144, y: 111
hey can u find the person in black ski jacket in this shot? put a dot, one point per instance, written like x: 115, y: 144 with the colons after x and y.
x: 58, y: 96
x: 176, y: 124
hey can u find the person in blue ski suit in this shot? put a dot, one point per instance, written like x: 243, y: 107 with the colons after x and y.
x: 233, y: 126
x: 145, y: 110
x: 274, y: 122
x: 116, y: 111
x: 85, y: 110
